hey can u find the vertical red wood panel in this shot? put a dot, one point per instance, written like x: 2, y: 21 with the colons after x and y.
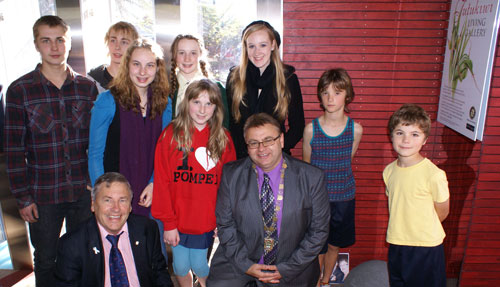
x: 481, y: 264
x: 394, y: 51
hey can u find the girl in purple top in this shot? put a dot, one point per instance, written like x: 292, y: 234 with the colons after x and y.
x: 128, y: 119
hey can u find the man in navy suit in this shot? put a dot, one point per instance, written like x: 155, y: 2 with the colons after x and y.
x: 259, y: 247
x: 83, y: 257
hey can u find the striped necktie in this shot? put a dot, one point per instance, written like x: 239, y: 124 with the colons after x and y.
x: 268, y: 210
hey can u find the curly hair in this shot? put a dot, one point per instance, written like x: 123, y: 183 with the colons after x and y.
x: 174, y: 49
x: 239, y: 77
x: 410, y: 114
x: 124, y: 90
x: 183, y: 124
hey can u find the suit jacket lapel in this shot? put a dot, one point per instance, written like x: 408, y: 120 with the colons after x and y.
x: 254, y: 206
x: 138, y: 243
x: 288, y: 203
x: 95, y: 248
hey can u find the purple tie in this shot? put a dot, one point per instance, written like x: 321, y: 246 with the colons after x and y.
x: 117, y: 270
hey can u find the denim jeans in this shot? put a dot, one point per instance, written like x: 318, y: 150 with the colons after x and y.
x: 45, y: 233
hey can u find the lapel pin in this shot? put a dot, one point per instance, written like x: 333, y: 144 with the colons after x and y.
x: 137, y: 243
x: 96, y: 251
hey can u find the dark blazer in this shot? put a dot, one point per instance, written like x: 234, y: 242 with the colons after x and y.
x: 304, y: 225
x: 78, y: 264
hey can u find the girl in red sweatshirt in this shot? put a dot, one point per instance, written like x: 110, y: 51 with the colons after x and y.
x: 188, y: 165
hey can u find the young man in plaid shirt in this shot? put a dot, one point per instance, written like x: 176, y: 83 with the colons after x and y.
x: 47, y: 119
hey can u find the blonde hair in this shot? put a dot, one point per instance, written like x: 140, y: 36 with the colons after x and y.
x: 123, y: 27
x: 174, y: 48
x: 123, y: 88
x: 239, y: 77
x: 183, y: 124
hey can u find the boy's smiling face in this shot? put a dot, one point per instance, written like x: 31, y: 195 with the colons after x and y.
x: 407, y: 141
x: 118, y: 44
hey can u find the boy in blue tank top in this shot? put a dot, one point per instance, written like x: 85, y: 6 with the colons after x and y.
x: 330, y: 143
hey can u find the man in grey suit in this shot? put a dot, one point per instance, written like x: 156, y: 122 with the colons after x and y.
x: 272, y: 215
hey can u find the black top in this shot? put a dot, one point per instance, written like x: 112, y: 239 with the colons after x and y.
x: 102, y: 76
x: 111, y: 160
x: 266, y: 103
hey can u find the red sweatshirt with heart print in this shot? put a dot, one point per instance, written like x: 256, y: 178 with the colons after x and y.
x: 185, y: 189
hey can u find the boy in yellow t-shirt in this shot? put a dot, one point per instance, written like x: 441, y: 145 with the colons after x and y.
x: 418, y: 196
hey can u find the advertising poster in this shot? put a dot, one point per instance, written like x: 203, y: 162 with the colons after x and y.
x: 470, y: 48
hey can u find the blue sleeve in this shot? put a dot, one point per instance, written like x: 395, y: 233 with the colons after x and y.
x: 166, y: 117
x: 101, y: 116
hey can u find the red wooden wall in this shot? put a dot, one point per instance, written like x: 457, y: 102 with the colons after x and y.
x: 394, y: 51
x: 481, y: 265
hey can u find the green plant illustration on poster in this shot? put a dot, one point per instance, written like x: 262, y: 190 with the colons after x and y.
x: 460, y: 62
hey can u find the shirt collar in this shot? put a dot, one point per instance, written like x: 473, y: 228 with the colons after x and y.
x: 105, y: 233
x: 274, y: 173
x: 39, y: 78
x: 183, y: 81
x: 205, y: 130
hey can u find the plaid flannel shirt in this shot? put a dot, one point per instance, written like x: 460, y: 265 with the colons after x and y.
x: 46, y: 137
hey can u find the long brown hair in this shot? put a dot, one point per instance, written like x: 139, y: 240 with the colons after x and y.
x: 173, y: 60
x: 123, y: 88
x: 183, y: 124
x: 239, y: 77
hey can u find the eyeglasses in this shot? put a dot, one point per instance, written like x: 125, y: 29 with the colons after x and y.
x: 265, y: 143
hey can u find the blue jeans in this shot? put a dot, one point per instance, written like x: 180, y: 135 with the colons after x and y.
x: 45, y: 233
